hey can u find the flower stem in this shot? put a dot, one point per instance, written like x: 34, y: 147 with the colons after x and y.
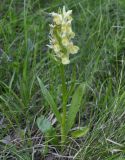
x: 64, y: 92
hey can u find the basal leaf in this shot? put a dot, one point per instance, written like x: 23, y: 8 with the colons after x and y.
x: 80, y: 132
x: 75, y: 105
x: 46, y: 128
x: 44, y: 125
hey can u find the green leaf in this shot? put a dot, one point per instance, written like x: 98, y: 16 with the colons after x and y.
x: 75, y: 105
x: 50, y: 100
x: 82, y: 131
x: 44, y: 125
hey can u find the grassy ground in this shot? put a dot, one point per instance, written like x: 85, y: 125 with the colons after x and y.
x: 100, y: 34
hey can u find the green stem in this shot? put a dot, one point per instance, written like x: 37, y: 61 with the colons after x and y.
x: 64, y: 92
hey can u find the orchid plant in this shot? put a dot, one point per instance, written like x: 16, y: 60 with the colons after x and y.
x: 62, y: 46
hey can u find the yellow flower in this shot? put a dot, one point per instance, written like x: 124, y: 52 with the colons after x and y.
x: 65, y: 41
x: 72, y: 49
x: 66, y: 28
x: 57, y: 18
x: 56, y: 48
x: 66, y: 15
x: 72, y: 35
x: 65, y: 60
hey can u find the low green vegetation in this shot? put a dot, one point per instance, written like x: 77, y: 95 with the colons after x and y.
x: 31, y: 83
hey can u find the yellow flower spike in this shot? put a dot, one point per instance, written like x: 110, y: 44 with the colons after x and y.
x: 61, y: 36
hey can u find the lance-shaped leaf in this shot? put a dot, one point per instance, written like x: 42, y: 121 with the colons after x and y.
x: 49, y: 100
x: 75, y: 105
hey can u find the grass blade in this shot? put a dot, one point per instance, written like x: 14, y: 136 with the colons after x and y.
x: 49, y: 99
